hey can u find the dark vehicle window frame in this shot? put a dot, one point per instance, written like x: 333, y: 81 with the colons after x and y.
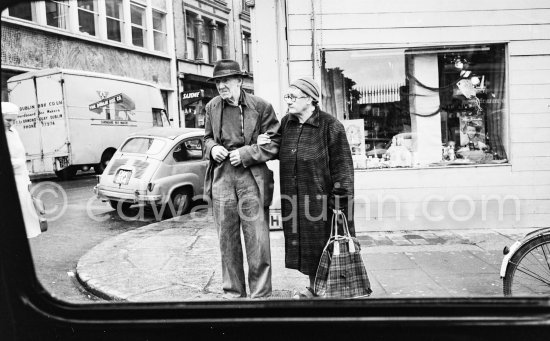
x: 29, y: 312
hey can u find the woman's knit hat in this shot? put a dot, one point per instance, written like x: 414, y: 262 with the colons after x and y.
x: 309, y: 87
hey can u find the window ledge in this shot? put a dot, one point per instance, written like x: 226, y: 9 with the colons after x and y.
x: 33, y: 25
x: 480, y: 165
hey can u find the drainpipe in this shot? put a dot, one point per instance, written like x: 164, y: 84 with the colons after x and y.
x: 313, y: 42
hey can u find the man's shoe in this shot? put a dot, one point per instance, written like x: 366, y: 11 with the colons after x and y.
x: 231, y: 296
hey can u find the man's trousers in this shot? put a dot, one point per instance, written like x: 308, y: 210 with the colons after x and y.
x: 237, y: 204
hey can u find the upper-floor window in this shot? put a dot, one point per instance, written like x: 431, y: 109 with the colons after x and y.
x: 139, y: 30
x: 206, y: 41
x: 87, y: 16
x: 247, y: 41
x: 159, y: 30
x: 140, y: 23
x: 115, y: 19
x: 22, y: 11
x: 57, y: 14
x: 190, y: 35
x: 160, y: 35
x: 210, y: 46
x: 220, y: 41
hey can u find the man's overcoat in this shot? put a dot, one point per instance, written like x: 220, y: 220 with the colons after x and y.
x: 316, y: 169
x: 258, y: 118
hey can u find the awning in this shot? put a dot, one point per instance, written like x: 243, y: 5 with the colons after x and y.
x: 121, y: 101
x: 188, y: 97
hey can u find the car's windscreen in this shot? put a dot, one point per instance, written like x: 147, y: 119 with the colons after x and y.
x: 143, y: 145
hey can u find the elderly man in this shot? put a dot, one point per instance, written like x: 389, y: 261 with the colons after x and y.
x: 238, y: 181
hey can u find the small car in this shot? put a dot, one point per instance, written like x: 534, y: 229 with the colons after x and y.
x: 158, y: 167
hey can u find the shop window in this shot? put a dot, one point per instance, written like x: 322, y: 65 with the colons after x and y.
x: 247, y: 42
x: 22, y: 11
x: 115, y: 19
x: 190, y: 34
x: 159, y: 31
x: 87, y: 16
x: 57, y: 14
x: 421, y: 107
x: 139, y: 30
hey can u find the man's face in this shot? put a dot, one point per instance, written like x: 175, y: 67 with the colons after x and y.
x: 229, y: 88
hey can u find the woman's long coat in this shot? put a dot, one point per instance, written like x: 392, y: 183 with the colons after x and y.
x: 316, y: 170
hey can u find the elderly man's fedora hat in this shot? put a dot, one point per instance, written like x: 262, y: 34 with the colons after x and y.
x: 226, y: 68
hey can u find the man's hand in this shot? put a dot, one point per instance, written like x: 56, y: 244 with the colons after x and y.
x: 235, y: 158
x: 219, y: 153
x: 263, y: 139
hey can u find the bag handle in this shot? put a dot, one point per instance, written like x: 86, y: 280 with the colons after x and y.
x: 346, y: 234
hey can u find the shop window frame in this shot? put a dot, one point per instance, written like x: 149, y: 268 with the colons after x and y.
x: 505, y: 143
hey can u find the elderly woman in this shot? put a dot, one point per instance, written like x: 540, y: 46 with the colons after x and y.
x: 19, y: 162
x: 316, y: 173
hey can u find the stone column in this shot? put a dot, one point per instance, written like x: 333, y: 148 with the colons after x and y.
x: 199, y: 27
x: 213, y: 41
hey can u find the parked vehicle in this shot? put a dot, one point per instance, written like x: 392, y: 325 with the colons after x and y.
x: 71, y: 120
x: 525, y: 268
x: 159, y: 167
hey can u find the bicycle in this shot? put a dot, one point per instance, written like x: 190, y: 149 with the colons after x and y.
x: 525, y: 269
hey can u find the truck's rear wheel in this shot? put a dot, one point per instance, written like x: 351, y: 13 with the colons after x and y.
x: 66, y: 173
x: 105, y: 158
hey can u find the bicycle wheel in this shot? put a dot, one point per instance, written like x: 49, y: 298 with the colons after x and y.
x: 528, y: 273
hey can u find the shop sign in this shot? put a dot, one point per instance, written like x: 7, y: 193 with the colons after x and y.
x: 195, y: 94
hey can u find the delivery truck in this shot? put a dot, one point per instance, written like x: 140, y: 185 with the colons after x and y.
x: 74, y: 120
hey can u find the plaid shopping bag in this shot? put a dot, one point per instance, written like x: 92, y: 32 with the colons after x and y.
x: 341, y: 271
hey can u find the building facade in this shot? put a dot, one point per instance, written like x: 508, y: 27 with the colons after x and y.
x: 170, y: 43
x: 130, y: 38
x: 206, y: 31
x: 452, y: 100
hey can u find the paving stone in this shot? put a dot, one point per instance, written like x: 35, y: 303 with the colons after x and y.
x: 179, y: 260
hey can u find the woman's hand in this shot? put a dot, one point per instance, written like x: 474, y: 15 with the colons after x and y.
x: 263, y: 139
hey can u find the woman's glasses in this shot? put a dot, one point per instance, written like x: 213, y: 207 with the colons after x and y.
x: 291, y: 98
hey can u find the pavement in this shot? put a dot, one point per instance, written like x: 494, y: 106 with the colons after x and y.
x: 179, y: 260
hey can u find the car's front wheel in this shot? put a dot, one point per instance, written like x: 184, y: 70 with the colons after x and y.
x: 179, y: 204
